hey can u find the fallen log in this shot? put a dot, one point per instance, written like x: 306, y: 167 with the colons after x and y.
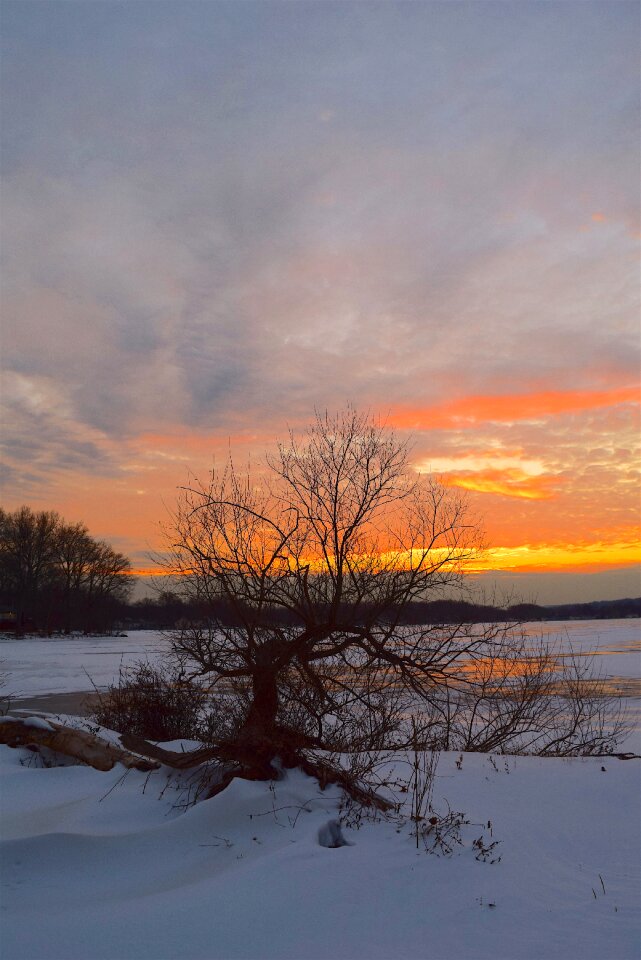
x: 78, y: 744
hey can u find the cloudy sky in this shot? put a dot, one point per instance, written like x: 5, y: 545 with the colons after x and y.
x: 220, y: 216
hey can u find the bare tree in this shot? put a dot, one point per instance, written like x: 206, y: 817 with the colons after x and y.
x: 317, y: 558
x: 106, y: 582
x: 27, y: 552
x: 72, y: 549
x: 307, y: 569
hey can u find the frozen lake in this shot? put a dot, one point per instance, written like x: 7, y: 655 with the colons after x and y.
x: 38, y: 667
x: 614, y: 644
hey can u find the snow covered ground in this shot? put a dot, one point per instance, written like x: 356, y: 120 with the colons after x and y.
x: 99, y: 868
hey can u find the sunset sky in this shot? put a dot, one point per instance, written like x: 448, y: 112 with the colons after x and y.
x: 218, y: 217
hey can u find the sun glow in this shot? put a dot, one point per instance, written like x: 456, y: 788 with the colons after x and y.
x: 527, y: 558
x: 549, y: 557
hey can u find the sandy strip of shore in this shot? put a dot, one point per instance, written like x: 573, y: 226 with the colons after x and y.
x: 79, y: 704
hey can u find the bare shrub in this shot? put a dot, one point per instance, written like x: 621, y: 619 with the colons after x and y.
x: 155, y: 702
x: 225, y: 713
x: 524, y: 696
x: 424, y: 766
x: 587, y: 720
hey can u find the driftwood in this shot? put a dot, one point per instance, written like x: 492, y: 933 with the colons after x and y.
x: 89, y: 749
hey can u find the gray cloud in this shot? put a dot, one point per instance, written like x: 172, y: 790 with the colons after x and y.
x: 225, y: 212
x: 40, y: 441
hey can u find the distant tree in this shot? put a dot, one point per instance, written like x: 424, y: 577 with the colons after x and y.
x: 27, y: 552
x: 54, y: 575
x: 73, y: 550
x: 107, y: 582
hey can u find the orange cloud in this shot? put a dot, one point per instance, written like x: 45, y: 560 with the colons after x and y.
x: 507, y: 483
x: 179, y: 443
x: 152, y: 572
x: 509, y: 407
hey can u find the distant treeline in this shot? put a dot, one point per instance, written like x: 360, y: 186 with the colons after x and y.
x: 448, y: 611
x: 55, y: 577
x: 166, y: 610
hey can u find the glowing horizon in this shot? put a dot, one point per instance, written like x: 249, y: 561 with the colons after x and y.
x: 494, y: 474
x: 525, y: 559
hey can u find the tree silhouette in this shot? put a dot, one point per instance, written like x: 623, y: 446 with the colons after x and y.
x: 318, y: 556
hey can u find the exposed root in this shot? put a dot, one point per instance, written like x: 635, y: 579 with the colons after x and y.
x: 179, y: 760
x: 238, y: 759
x: 326, y: 774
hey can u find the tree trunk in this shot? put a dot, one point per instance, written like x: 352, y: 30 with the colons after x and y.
x: 258, y: 740
x: 262, y: 713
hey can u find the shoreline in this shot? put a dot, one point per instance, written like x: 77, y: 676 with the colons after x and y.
x: 79, y: 704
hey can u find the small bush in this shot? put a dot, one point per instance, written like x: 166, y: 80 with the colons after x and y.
x: 225, y: 714
x: 155, y: 702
